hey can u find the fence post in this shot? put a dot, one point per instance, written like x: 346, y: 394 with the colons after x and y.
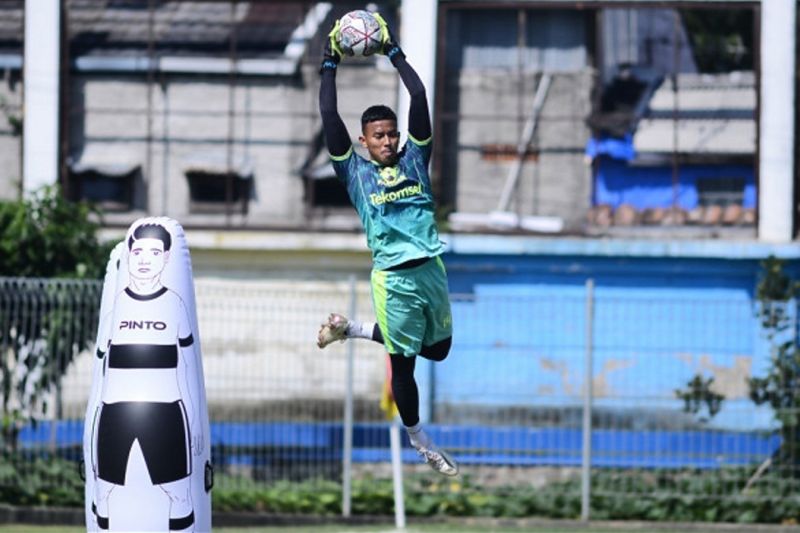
x: 397, y: 475
x: 348, y: 413
x: 586, y: 464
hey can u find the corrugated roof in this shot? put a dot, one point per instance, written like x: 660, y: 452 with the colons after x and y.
x: 123, y: 27
x: 206, y: 28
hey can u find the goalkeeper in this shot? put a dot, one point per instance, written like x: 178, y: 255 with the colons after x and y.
x: 392, y: 195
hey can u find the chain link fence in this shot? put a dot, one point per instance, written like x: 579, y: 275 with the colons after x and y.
x: 509, y: 401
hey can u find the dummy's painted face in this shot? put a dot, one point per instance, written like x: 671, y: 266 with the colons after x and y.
x: 381, y: 140
x: 147, y: 258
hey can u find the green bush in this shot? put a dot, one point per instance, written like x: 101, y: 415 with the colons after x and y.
x: 653, y: 495
x: 650, y: 495
x: 40, y: 480
x: 45, y: 236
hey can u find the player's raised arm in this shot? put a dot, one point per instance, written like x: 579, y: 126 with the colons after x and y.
x: 419, y: 120
x: 336, y: 136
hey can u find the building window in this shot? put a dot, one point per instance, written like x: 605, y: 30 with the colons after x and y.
x: 111, y: 189
x: 722, y: 191
x: 322, y: 187
x: 219, y: 183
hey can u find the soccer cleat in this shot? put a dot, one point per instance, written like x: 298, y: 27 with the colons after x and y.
x: 439, y: 460
x: 335, y: 329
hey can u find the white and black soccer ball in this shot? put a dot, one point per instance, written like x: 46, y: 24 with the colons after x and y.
x: 359, y: 33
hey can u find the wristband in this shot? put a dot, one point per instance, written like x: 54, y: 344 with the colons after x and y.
x: 328, y: 64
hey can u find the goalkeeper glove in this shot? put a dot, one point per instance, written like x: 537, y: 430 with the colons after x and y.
x: 331, y: 54
x: 389, y: 46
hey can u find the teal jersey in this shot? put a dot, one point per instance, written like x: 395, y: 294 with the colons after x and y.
x: 395, y: 204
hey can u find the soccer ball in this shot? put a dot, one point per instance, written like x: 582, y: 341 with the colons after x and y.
x: 359, y: 33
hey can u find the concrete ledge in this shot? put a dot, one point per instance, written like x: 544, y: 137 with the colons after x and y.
x: 484, y: 244
x: 713, y: 249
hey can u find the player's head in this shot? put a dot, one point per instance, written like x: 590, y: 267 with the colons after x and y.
x: 148, y: 251
x: 379, y: 134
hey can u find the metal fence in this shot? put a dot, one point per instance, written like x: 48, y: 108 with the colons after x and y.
x: 531, y: 374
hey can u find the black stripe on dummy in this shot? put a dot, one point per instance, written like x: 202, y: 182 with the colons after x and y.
x: 177, y: 524
x: 102, y: 521
x: 143, y: 356
x: 145, y: 297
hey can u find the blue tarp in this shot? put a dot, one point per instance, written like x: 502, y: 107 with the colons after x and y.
x: 617, y: 148
x: 617, y: 183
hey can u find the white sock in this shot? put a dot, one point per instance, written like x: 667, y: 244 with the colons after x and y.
x: 417, y: 436
x: 360, y: 330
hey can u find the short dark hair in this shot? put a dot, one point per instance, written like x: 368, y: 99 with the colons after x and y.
x: 151, y: 231
x: 375, y: 113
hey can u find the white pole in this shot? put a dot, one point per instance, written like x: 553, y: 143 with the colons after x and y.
x: 586, y: 464
x: 397, y: 476
x: 776, y: 129
x: 41, y: 90
x: 347, y: 458
x: 417, y: 38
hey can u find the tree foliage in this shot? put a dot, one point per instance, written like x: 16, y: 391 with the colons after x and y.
x: 780, y: 386
x: 722, y: 39
x: 44, y: 322
x: 48, y: 236
x: 699, y: 396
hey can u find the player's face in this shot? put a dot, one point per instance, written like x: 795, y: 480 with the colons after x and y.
x: 381, y: 139
x: 147, y: 258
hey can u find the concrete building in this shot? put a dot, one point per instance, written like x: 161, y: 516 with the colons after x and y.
x: 206, y: 111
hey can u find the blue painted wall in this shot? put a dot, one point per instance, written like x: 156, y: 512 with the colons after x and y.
x: 520, y: 329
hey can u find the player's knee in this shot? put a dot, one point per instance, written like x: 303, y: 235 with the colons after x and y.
x: 437, y: 351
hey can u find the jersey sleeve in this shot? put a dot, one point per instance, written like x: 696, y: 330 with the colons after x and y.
x: 418, y: 155
x: 345, y: 166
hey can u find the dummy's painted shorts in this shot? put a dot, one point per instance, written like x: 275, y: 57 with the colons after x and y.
x: 412, y: 306
x: 162, y: 432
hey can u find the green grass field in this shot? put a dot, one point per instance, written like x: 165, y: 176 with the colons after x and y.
x: 436, y: 528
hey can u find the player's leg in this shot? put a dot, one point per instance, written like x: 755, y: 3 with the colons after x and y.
x: 432, y: 291
x: 339, y: 328
x: 400, y: 308
x: 437, y: 351
x: 406, y: 396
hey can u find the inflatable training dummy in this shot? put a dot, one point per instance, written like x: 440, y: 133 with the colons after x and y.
x: 148, y: 436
